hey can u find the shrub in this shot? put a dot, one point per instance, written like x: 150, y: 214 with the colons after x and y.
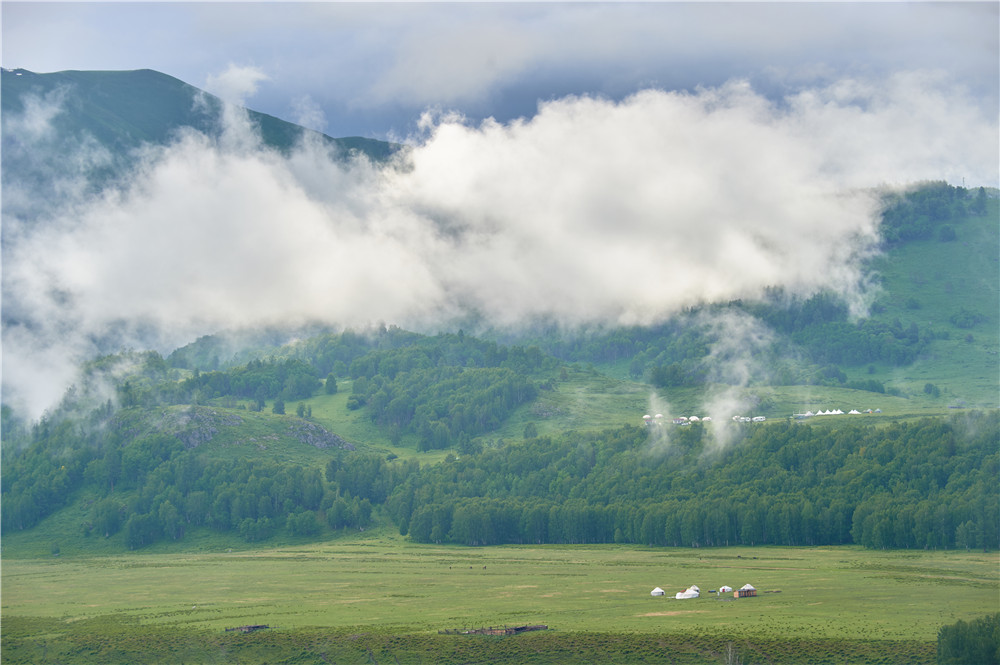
x: 966, y: 318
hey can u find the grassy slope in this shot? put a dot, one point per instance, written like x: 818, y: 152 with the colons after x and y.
x: 237, y: 433
x: 832, y: 605
x: 943, y: 277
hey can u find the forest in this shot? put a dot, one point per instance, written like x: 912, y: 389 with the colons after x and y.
x: 923, y: 485
x: 926, y: 484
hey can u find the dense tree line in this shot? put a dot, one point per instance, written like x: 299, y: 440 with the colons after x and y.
x: 924, y: 212
x: 259, y: 379
x: 929, y: 484
x: 925, y: 485
x: 442, y: 405
x: 975, y: 642
x: 448, y: 389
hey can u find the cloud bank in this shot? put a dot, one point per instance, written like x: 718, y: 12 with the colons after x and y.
x: 590, y: 211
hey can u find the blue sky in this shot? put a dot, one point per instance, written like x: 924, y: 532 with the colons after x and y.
x: 371, y: 69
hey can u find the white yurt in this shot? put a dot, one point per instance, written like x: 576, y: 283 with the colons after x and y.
x: 725, y: 589
x: 657, y: 592
x: 690, y: 592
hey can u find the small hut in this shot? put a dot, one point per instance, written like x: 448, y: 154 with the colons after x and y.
x: 745, y: 591
x: 657, y: 592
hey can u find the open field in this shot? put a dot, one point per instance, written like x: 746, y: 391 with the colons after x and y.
x: 835, y: 605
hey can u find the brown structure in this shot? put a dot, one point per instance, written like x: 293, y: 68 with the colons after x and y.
x: 744, y: 593
x: 506, y: 630
x: 248, y: 629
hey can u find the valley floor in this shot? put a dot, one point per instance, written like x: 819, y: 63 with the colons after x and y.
x: 376, y: 598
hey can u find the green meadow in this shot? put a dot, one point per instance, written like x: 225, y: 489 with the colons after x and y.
x: 379, y: 598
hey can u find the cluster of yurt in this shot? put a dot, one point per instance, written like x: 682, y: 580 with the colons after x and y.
x: 833, y: 412
x: 746, y: 591
x: 679, y: 420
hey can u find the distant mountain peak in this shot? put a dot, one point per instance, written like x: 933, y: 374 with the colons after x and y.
x: 122, y: 109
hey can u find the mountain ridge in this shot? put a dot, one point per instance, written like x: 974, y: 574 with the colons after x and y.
x: 159, y: 104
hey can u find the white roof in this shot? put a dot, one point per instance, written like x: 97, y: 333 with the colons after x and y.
x: 747, y: 587
x: 681, y: 595
x: 725, y: 589
x: 657, y: 592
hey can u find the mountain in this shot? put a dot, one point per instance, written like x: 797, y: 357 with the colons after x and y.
x: 535, y: 435
x: 123, y: 109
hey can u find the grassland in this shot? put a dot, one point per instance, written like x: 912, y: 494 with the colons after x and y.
x: 929, y: 281
x: 376, y: 598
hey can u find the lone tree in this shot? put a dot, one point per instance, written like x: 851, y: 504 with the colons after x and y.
x: 979, y: 203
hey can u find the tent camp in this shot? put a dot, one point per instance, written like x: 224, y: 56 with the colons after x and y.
x: 657, y: 592
x: 690, y: 592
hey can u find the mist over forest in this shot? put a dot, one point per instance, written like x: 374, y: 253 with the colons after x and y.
x: 180, y: 284
x: 591, y: 212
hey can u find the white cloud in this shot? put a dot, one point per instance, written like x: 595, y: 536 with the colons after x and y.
x: 236, y: 84
x: 308, y: 113
x: 591, y: 211
x: 374, y: 66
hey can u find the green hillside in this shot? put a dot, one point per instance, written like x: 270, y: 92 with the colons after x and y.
x: 123, y: 109
x: 951, y: 288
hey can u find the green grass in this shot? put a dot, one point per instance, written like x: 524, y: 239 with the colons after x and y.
x: 231, y: 433
x: 356, y: 427
x: 594, y: 598
x: 929, y: 281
